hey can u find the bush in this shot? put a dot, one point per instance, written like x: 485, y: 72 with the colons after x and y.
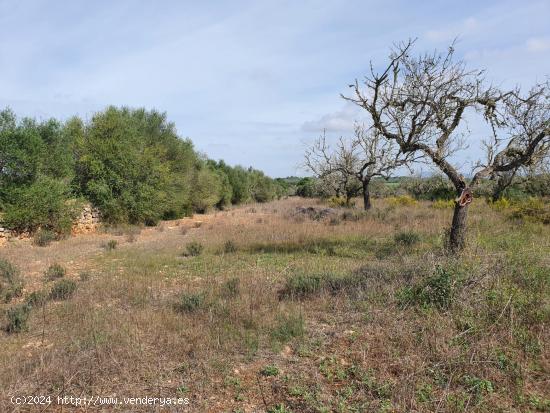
x: 533, y: 210
x: 269, y: 371
x: 18, y: 316
x: 44, y: 237
x: 11, y: 283
x: 406, y: 238
x: 42, y: 204
x: 337, y: 201
x: 500, y: 204
x: 229, y: 247
x: 193, y: 249
x: 231, y: 288
x: 37, y: 298
x: 437, y: 291
x: 300, y: 286
x: 54, y: 272
x: 111, y: 245
x: 288, y: 327
x: 189, y: 303
x: 63, y: 289
x: 443, y: 204
x: 402, y: 200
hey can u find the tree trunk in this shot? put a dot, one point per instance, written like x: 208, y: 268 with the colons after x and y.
x: 366, y: 195
x: 457, y: 238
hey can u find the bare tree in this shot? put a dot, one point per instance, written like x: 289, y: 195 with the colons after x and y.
x: 522, y: 120
x: 420, y: 102
x: 364, y: 156
x: 321, y: 161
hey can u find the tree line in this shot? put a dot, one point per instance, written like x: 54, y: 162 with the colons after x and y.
x: 416, y: 108
x: 129, y: 163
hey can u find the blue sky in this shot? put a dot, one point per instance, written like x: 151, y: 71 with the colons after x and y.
x: 248, y: 81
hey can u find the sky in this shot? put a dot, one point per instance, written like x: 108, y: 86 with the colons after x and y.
x: 250, y: 82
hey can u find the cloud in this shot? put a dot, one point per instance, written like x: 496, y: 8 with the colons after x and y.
x: 466, y: 27
x: 341, y: 121
x: 538, y: 44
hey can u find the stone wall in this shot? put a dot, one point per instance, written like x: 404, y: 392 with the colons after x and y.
x: 4, y: 234
x: 89, y: 220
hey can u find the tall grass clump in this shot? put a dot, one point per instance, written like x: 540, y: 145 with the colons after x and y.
x: 11, y: 283
x: 44, y: 237
x: 63, y: 289
x: 436, y: 291
x: 54, y: 272
x: 17, y: 316
x: 406, y: 238
x: 193, y: 249
x: 190, y: 302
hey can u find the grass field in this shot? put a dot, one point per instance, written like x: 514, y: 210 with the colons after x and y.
x: 262, y: 309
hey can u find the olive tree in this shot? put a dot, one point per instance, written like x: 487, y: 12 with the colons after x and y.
x: 420, y: 102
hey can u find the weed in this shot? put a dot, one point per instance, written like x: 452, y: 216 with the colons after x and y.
x: 437, y: 291
x: 189, y: 303
x: 269, y: 371
x: 110, y: 245
x: 279, y: 408
x: 231, y: 288
x: 37, y: 298
x: 18, y: 316
x: 85, y: 276
x: 402, y: 200
x: 54, y: 272
x: 193, y: 249
x: 11, y: 283
x: 287, y: 328
x: 300, y: 286
x: 406, y: 238
x: 229, y: 247
x: 443, y: 204
x: 63, y: 289
x: 44, y: 237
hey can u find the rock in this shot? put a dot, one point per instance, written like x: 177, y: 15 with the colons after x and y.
x: 316, y: 213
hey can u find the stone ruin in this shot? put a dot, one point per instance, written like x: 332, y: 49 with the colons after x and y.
x: 316, y: 214
x: 88, y: 221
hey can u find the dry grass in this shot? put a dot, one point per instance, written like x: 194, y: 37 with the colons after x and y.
x: 364, y: 340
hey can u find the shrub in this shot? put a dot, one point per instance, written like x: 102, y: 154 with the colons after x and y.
x: 111, y: 245
x: 532, y: 209
x: 231, y: 288
x: 443, y: 204
x: 279, y: 408
x: 402, y: 200
x: 406, y: 238
x: 229, y: 247
x: 337, y: 201
x: 37, y: 298
x: 42, y: 204
x: 54, y: 272
x: 300, y: 286
x: 193, y: 249
x: 44, y: 237
x: 18, y: 316
x: 288, y: 327
x: 190, y: 302
x: 269, y: 371
x: 437, y: 291
x: 500, y: 204
x: 11, y: 283
x: 63, y: 289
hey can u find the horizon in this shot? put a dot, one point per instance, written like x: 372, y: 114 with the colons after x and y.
x: 250, y: 83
